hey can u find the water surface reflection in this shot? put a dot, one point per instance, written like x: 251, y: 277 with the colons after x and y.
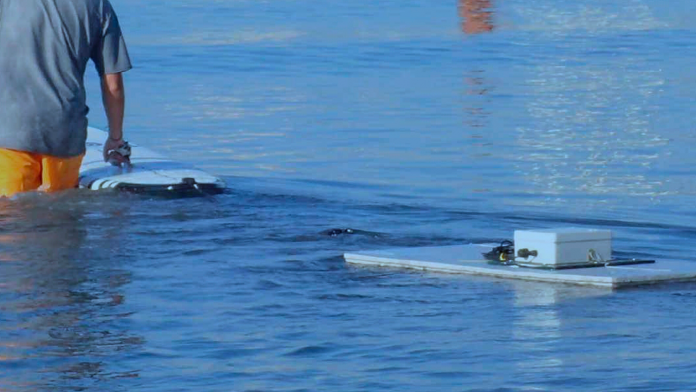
x: 538, y: 325
x: 477, y: 16
x: 62, y: 297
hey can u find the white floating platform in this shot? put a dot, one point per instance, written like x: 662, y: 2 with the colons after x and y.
x: 468, y: 260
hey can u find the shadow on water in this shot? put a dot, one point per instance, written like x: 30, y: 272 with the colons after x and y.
x: 65, y: 325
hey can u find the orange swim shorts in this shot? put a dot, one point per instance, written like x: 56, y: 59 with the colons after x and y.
x: 24, y: 171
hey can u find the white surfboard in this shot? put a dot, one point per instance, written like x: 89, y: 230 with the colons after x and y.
x: 149, y: 172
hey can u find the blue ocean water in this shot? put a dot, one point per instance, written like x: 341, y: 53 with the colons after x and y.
x: 413, y: 122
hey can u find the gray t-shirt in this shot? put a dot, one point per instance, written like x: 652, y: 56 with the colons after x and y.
x: 44, y: 49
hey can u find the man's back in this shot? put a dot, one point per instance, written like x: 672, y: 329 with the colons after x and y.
x: 44, y: 49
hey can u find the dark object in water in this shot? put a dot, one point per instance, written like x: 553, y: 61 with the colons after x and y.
x: 337, y: 232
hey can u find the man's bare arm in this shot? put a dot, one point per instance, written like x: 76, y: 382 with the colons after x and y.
x: 114, y: 98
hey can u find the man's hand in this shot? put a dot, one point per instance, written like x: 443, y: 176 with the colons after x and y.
x: 116, y: 152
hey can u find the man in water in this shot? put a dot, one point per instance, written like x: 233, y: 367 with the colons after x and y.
x: 44, y: 49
